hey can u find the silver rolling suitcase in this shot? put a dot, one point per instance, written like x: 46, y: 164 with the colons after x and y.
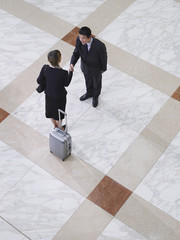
x: 60, y: 141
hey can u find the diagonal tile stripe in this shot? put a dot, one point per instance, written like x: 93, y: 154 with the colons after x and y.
x: 148, y: 147
x: 147, y: 220
x: 23, y: 139
x: 86, y: 224
x: 105, y: 14
x: 109, y: 195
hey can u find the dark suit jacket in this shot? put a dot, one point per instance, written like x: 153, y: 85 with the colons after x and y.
x: 92, y: 62
x: 56, y: 80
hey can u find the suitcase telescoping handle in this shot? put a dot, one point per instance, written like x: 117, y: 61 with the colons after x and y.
x: 65, y: 116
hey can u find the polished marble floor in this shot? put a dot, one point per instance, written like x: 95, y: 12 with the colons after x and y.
x: 122, y: 180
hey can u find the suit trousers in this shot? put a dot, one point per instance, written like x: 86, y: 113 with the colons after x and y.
x: 93, y: 84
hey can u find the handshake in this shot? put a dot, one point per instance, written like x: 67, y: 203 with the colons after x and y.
x: 71, y: 68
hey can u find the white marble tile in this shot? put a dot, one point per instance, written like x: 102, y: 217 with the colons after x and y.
x: 32, y: 112
x: 128, y: 100
x: 39, y: 205
x: 7, y: 232
x: 149, y: 30
x: 75, y: 109
x: 13, y: 166
x: 26, y: 43
x: 70, y: 11
x: 174, y: 146
x: 20, y: 46
x: 100, y: 140
x: 7, y: 22
x: 161, y: 186
x: 8, y: 71
x: 116, y: 230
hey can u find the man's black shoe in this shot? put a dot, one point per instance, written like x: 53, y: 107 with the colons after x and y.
x: 85, y: 96
x: 95, y: 102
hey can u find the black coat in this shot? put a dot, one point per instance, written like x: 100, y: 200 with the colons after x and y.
x: 92, y: 62
x: 56, y: 80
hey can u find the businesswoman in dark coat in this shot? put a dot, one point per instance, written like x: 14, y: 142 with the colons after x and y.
x: 56, y: 80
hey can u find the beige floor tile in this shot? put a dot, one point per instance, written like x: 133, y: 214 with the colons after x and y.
x: 23, y: 138
x: 73, y: 172
x: 166, y: 124
x: 120, y: 4
x: 154, y: 76
x: 37, y: 17
x: 18, y: 8
x: 87, y: 223
x: 136, y: 162
x: 148, y: 220
x: 49, y: 23
x: 105, y: 14
x: 141, y: 70
x: 119, y: 58
x: 148, y: 147
x: 100, y: 18
x: 18, y: 90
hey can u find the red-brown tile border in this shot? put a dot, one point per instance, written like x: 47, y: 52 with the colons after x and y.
x: 176, y: 94
x: 3, y: 114
x: 178, y: 90
x: 109, y: 195
x: 71, y: 36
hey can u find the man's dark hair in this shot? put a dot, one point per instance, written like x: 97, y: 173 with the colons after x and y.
x: 54, y: 57
x: 85, y: 31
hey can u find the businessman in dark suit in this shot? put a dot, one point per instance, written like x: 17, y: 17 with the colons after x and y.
x: 93, y: 63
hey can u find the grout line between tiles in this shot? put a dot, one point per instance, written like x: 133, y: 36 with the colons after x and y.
x: 14, y: 228
x: 19, y: 179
